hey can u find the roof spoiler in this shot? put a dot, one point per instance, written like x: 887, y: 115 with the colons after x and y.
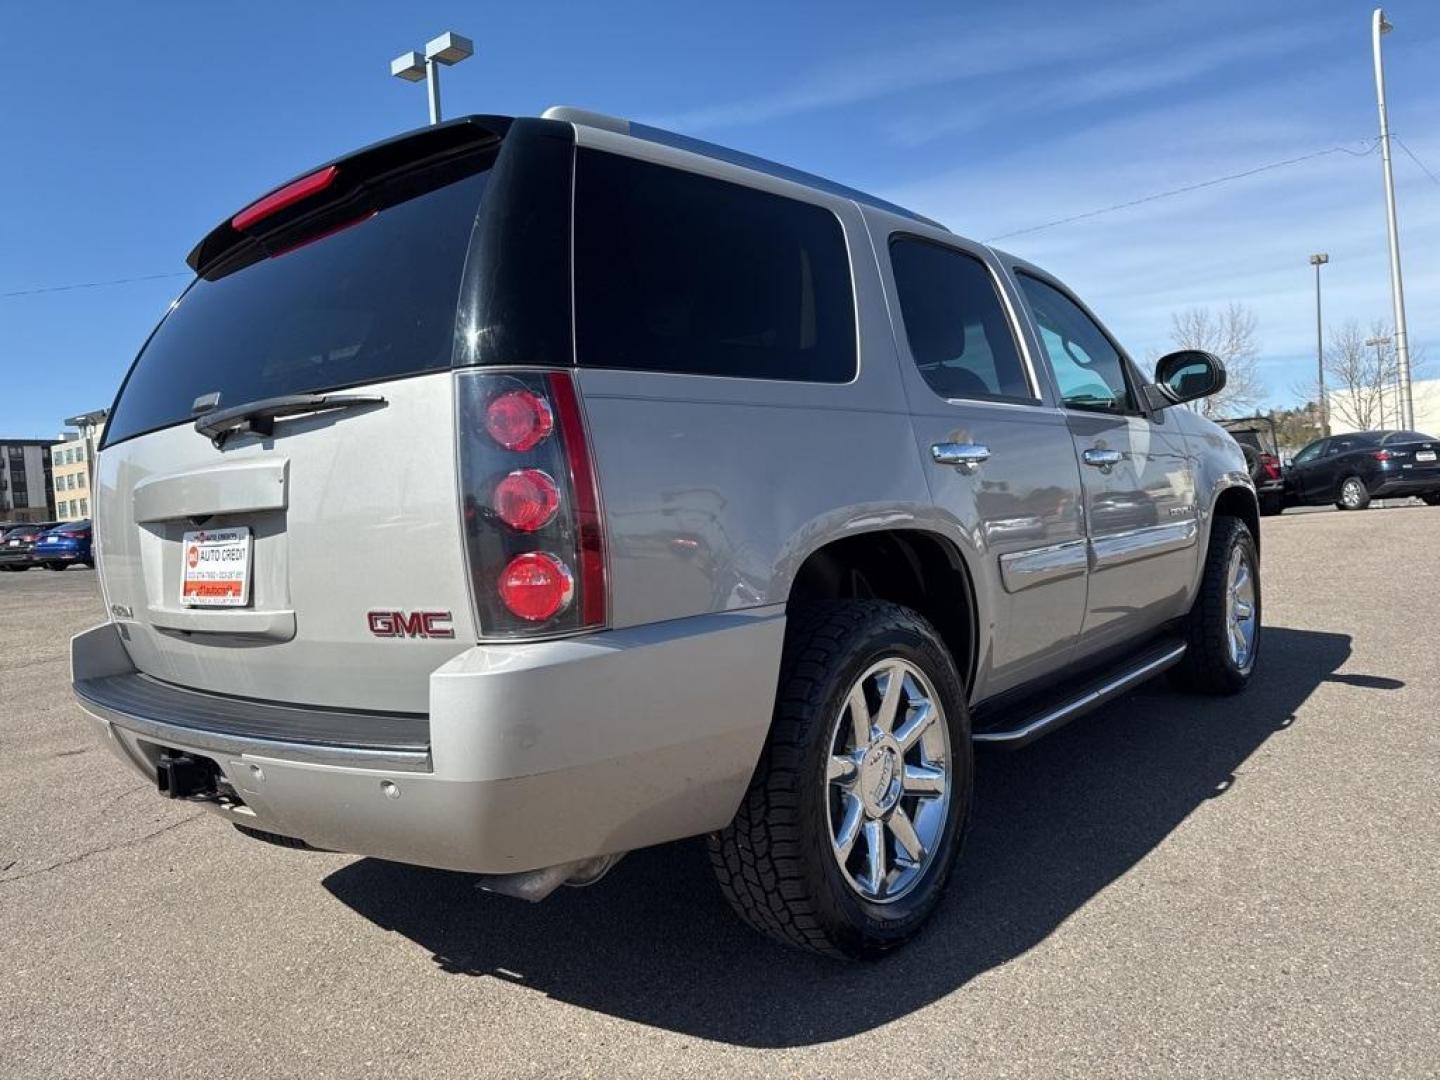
x: 347, y: 180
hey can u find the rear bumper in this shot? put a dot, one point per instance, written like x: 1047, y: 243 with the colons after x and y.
x: 532, y: 755
x: 15, y: 558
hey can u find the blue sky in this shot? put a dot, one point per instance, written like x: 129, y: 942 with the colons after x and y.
x: 130, y: 130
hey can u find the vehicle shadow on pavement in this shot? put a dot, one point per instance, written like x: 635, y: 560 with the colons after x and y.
x: 1054, y: 824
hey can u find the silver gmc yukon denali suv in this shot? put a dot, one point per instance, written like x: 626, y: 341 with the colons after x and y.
x: 516, y: 493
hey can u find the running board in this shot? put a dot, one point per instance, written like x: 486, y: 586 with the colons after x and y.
x: 1056, y: 713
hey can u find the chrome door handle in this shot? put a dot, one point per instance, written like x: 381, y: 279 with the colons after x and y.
x: 1104, y: 460
x: 964, y: 456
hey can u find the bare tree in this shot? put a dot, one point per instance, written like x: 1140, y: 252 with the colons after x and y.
x: 1362, y: 380
x: 1229, y: 333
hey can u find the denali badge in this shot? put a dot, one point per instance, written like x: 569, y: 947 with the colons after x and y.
x: 426, y: 624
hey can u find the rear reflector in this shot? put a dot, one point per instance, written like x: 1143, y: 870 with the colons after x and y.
x: 288, y: 195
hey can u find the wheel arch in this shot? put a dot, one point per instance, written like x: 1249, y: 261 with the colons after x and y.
x: 1238, y: 501
x: 919, y: 569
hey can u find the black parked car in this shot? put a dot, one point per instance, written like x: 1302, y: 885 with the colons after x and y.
x: 16, y: 543
x: 1350, y: 470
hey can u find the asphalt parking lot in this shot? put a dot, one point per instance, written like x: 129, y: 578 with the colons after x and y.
x: 1243, y: 887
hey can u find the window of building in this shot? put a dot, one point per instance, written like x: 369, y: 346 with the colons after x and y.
x: 84, y: 508
x: 677, y: 272
x: 960, y: 336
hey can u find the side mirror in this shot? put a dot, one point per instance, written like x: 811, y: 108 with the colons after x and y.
x: 1188, y: 374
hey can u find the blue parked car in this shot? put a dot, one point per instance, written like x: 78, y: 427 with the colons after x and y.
x: 63, y: 545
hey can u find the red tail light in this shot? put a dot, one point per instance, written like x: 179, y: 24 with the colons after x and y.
x: 536, y: 586
x: 288, y: 195
x: 531, y: 510
x: 1382, y: 455
x: 527, y: 499
x: 519, y: 419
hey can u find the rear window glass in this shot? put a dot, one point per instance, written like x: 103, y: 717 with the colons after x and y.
x: 960, y: 337
x: 682, y: 273
x: 371, y: 302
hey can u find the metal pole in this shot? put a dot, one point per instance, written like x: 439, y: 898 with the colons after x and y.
x: 432, y: 85
x: 1379, y: 26
x: 1318, y: 261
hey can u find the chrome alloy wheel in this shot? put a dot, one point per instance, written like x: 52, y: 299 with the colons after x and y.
x: 1242, y: 621
x: 1352, y: 492
x: 888, y: 780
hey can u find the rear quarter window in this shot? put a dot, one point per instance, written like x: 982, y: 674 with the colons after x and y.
x: 676, y: 272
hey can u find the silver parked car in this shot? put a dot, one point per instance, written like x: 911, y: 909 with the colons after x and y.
x: 519, y: 492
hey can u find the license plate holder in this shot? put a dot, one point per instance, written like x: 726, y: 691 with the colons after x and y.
x: 1424, y: 455
x: 215, y: 567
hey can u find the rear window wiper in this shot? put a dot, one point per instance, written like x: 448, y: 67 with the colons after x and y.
x: 259, y: 417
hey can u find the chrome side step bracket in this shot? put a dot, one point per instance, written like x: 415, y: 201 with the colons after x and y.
x: 1055, y: 714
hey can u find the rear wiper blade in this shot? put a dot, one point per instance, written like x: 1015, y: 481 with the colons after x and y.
x: 259, y: 416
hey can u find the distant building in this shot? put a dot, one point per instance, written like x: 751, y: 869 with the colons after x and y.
x: 25, y: 493
x: 1385, y: 409
x: 73, y: 465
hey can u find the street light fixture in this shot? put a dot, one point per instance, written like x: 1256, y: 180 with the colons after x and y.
x: 448, y: 49
x: 1379, y: 343
x: 1318, y: 261
x: 1379, y: 26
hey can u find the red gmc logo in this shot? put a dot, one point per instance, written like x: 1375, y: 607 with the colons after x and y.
x: 426, y: 624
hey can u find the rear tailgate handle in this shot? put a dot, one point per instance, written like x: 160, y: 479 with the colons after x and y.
x: 964, y: 456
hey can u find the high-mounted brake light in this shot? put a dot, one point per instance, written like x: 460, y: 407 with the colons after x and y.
x: 281, y: 198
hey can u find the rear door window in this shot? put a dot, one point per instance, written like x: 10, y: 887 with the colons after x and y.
x: 678, y: 272
x: 959, y: 334
x: 371, y: 302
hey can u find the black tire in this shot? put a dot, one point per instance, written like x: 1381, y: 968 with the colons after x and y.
x: 1208, y: 667
x: 775, y: 860
x: 1431, y: 498
x: 1352, y: 494
x: 56, y: 566
x: 1271, y: 505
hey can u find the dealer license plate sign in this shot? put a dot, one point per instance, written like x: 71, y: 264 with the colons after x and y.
x: 215, y: 571
x: 1425, y: 455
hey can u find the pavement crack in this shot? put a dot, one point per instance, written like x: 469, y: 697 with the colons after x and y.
x: 84, y: 855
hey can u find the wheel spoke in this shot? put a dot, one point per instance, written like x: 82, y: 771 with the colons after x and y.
x: 859, y: 717
x: 1243, y: 610
x: 875, y: 845
x: 1237, y: 644
x: 923, y: 780
x: 842, y: 769
x: 889, y: 701
x: 905, y: 835
x: 908, y: 734
x: 849, y: 830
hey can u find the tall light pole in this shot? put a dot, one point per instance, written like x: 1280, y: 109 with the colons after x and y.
x: 1380, y: 379
x: 448, y: 49
x: 1379, y: 26
x: 1318, y: 261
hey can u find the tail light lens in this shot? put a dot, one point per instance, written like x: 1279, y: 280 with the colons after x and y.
x: 536, y: 586
x: 1382, y: 455
x: 530, y: 504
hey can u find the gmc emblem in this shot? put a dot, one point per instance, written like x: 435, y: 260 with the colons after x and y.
x: 426, y: 624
